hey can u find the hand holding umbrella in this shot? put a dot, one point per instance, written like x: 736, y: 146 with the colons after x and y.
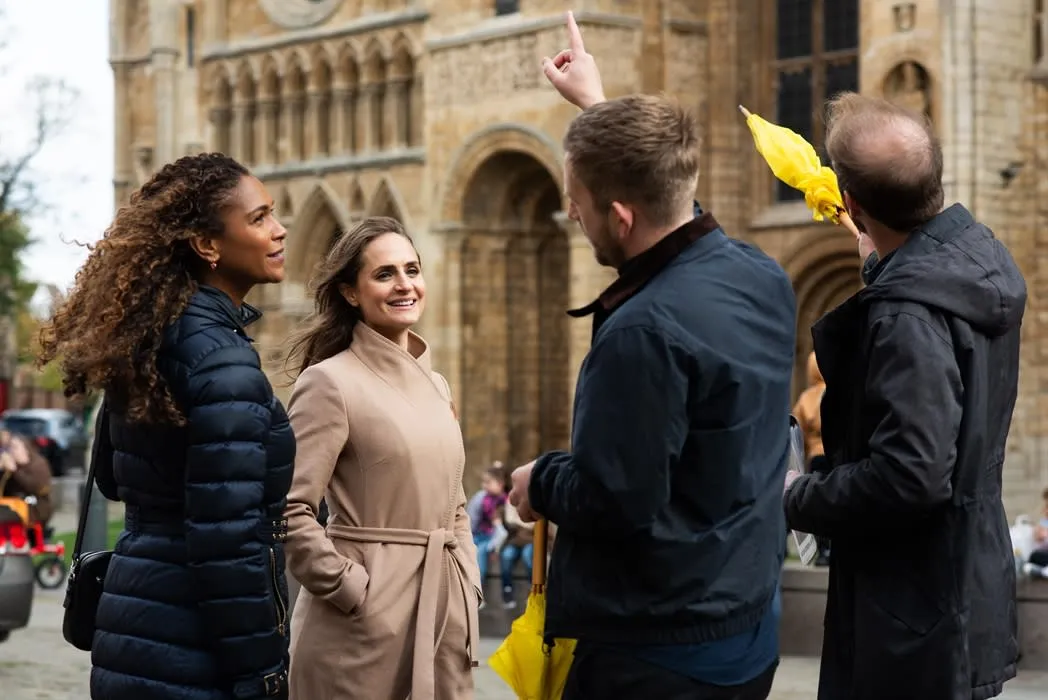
x: 794, y: 161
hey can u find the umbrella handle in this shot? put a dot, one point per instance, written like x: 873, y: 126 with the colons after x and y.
x: 846, y: 222
x: 538, y: 555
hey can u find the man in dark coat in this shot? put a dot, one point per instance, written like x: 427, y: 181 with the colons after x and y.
x: 670, y: 527
x: 921, y: 370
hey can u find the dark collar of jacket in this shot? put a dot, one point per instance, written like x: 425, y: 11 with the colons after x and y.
x: 214, y: 305
x: 639, y: 270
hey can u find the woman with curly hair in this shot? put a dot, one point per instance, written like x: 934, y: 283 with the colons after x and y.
x: 388, y: 606
x: 194, y: 602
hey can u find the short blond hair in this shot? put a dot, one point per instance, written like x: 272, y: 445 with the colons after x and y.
x: 640, y: 150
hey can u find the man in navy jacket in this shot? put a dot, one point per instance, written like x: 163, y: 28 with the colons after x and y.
x: 669, y: 504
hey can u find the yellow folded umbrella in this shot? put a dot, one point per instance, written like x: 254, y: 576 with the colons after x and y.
x: 794, y: 161
x: 533, y: 670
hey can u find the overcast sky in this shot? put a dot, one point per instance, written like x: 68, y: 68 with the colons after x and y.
x: 67, y: 39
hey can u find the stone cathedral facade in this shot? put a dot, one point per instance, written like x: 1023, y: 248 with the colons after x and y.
x: 436, y: 113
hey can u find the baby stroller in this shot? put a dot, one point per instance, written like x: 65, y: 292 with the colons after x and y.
x: 48, y: 557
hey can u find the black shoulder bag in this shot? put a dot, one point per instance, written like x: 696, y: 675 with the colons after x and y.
x: 87, y: 573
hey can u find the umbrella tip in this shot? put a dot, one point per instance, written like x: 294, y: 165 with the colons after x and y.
x: 745, y: 112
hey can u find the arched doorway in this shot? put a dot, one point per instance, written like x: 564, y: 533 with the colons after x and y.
x: 515, y: 282
x: 825, y: 272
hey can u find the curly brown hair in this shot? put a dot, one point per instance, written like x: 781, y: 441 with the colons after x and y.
x: 135, y: 283
x: 329, y: 329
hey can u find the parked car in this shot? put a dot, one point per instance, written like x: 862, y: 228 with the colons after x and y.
x: 58, y: 434
x: 17, y: 577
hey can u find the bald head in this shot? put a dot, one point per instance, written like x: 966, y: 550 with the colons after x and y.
x: 887, y: 159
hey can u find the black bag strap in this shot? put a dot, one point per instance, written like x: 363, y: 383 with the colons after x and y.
x: 97, y: 455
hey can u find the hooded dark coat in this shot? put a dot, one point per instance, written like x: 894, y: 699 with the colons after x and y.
x: 921, y: 371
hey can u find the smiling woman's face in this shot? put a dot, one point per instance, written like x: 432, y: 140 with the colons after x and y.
x: 390, y: 290
x: 252, y: 250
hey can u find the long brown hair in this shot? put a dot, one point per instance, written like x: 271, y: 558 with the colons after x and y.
x: 329, y: 329
x: 136, y: 281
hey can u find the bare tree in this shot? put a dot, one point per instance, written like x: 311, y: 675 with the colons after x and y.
x: 51, y: 104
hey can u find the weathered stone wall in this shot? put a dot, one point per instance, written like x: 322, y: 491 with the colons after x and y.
x: 441, y: 117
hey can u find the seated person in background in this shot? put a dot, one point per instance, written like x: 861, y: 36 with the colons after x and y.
x: 520, y: 546
x: 1037, y: 565
x: 29, y: 475
x: 488, y: 531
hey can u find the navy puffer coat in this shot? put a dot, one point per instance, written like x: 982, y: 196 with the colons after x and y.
x: 195, y: 602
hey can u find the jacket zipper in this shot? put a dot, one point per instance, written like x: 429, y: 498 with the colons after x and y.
x: 281, y: 610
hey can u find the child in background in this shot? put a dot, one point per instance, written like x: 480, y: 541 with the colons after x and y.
x: 488, y: 530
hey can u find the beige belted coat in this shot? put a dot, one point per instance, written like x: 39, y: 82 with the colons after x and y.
x: 389, y: 597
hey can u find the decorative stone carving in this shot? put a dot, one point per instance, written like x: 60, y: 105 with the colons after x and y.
x: 143, y: 154
x: 905, y: 16
x: 909, y: 85
x: 481, y: 71
x: 298, y: 14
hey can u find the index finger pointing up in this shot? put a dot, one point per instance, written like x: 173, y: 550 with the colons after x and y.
x: 574, y: 35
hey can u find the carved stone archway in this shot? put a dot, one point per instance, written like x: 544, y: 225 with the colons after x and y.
x: 487, y: 142
x: 317, y: 224
x: 386, y: 201
x: 825, y: 271
x: 513, y: 290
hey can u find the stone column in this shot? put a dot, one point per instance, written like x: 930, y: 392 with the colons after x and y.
x: 318, y: 138
x: 366, y: 134
x: 524, y: 346
x: 395, y: 108
x: 123, y: 171
x: 485, y: 325
x: 243, y: 134
x: 727, y: 191
x: 338, y: 124
x: 415, y: 120
x: 220, y: 119
x: 118, y: 29
x: 291, y: 125
x: 213, y: 27
x: 164, y: 49
x: 588, y: 279
x: 453, y: 238
x: 268, y: 141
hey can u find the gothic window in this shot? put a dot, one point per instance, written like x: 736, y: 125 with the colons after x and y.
x: 816, y: 44
x: 190, y: 37
x: 1038, y: 28
x: 506, y: 7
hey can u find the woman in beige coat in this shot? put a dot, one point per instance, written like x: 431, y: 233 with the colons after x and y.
x: 389, y: 596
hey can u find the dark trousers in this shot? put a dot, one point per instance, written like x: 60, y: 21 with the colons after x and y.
x: 603, y: 674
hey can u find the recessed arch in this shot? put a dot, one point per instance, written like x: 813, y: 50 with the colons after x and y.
x: 485, y: 143
x: 825, y: 270
x: 514, y: 283
x: 316, y: 225
x: 357, y: 201
x: 386, y: 201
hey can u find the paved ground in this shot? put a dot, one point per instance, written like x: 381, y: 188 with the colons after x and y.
x: 36, y: 664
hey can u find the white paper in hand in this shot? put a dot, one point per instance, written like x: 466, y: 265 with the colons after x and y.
x: 807, y: 548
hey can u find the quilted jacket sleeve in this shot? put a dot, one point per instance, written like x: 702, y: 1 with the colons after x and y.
x: 228, y: 407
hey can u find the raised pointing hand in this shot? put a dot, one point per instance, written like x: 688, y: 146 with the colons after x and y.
x: 573, y: 72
